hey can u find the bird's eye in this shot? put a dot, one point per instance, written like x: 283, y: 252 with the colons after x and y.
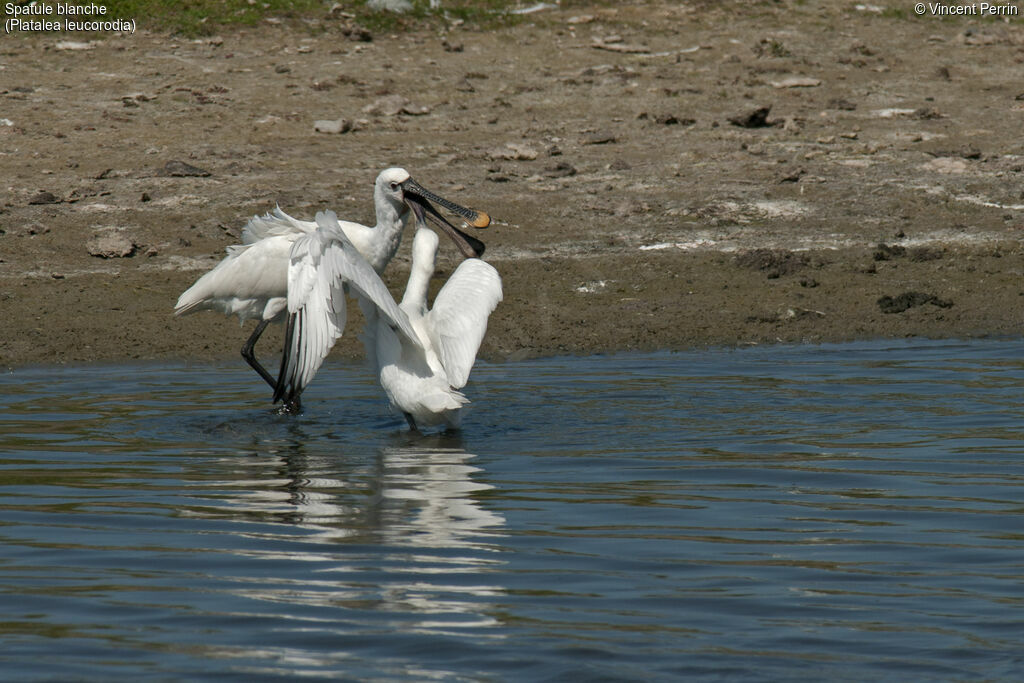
x: 394, y: 186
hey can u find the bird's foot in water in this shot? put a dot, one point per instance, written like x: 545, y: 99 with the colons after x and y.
x: 290, y: 408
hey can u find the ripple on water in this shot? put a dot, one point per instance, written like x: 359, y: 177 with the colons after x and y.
x: 771, y: 513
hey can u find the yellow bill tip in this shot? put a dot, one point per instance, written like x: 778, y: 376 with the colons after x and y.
x: 482, y: 220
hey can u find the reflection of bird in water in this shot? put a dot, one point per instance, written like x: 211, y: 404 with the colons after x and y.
x: 393, y: 551
x: 432, y: 479
x: 424, y: 490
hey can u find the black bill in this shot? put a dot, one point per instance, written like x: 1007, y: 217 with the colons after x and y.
x: 419, y: 200
x: 470, y: 246
x: 477, y: 219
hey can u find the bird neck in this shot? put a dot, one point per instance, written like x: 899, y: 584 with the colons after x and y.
x: 387, y: 234
x: 414, y: 302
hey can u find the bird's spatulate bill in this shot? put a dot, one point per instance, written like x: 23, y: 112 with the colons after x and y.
x: 477, y: 219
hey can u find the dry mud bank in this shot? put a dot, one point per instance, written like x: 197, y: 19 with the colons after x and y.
x: 663, y: 175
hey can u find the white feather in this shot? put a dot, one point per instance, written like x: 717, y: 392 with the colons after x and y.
x: 323, y: 263
x: 422, y: 380
x: 458, y: 321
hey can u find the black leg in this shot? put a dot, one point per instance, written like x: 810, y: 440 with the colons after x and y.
x: 292, y: 407
x: 250, y: 357
x: 412, y: 422
x: 284, y: 386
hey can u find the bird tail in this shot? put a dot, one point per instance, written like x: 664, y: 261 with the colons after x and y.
x: 192, y: 299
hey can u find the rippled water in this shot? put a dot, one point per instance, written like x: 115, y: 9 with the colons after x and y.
x: 850, y: 511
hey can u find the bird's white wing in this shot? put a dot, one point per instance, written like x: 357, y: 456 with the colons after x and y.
x: 458, y: 321
x: 323, y: 265
x: 274, y: 224
x: 248, y: 277
x: 348, y: 265
x: 316, y: 312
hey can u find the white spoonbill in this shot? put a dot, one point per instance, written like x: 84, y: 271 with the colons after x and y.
x: 253, y: 280
x: 422, y: 377
x: 422, y: 369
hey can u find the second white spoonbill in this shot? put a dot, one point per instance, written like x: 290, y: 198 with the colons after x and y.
x: 422, y: 376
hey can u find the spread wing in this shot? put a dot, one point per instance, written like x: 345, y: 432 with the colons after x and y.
x: 458, y: 321
x: 273, y: 224
x: 323, y: 266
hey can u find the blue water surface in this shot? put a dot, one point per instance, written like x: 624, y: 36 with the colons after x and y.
x: 850, y: 511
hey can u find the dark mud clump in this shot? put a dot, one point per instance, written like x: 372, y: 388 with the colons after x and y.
x: 907, y: 300
x: 773, y: 262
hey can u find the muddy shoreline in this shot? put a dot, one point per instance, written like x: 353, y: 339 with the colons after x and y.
x: 880, y: 195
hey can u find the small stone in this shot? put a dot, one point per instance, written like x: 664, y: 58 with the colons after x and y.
x: 389, y: 105
x: 44, y: 197
x: 796, y: 82
x: 560, y: 170
x: 841, y: 104
x: 515, y: 152
x: 886, y: 252
x: 335, y: 126
x: 179, y: 169
x: 74, y: 45
x: 927, y: 114
x: 673, y: 120
x: 357, y: 34
x: 112, y: 244
x: 946, y: 165
x: 415, y: 110
x: 398, y: 6
x: 615, y: 44
x: 755, y: 118
x: 793, y: 175
x: 599, y: 139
